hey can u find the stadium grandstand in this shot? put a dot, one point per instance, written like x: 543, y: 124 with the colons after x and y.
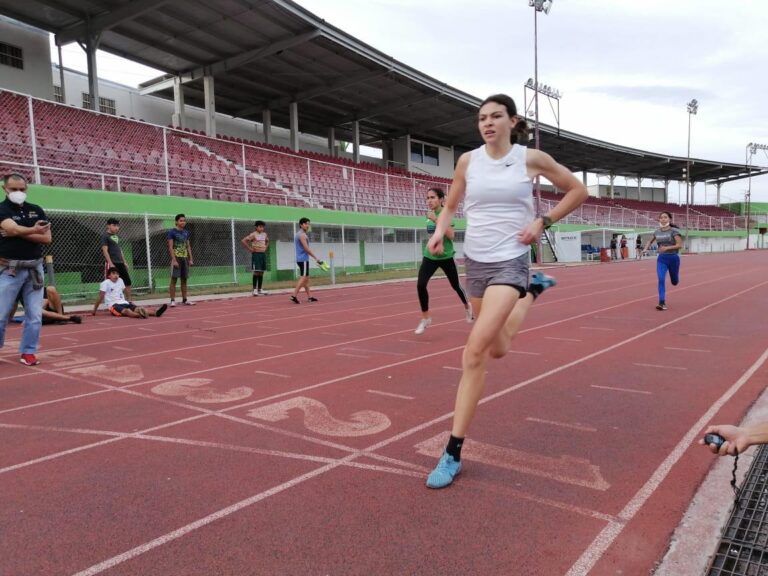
x: 273, y: 107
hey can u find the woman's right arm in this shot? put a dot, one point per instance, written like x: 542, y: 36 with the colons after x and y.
x: 455, y: 196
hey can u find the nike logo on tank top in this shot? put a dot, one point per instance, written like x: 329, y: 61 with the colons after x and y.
x: 498, y: 204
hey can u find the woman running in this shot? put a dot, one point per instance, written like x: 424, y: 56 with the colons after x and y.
x: 495, y: 182
x: 668, y: 241
x: 431, y: 262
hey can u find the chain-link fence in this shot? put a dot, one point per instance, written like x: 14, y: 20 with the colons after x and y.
x: 219, y: 259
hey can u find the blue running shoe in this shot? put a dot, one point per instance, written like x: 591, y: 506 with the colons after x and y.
x: 446, y: 470
x: 539, y: 283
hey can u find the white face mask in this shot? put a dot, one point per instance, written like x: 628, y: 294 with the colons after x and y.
x: 17, y: 197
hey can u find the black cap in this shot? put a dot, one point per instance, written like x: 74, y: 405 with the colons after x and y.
x: 113, y: 221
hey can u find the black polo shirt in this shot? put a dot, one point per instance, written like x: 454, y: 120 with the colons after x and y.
x: 18, y: 248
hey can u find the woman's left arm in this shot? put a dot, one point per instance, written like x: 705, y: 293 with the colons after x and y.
x: 542, y: 164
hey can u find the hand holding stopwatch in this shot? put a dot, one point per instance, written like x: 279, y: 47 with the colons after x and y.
x: 714, y: 440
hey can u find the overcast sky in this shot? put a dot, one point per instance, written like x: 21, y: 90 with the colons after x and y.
x: 626, y: 68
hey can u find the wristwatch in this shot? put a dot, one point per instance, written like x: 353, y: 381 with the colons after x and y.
x: 547, y: 221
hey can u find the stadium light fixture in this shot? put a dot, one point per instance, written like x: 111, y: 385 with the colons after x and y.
x: 752, y: 149
x: 538, y: 6
x: 693, y: 108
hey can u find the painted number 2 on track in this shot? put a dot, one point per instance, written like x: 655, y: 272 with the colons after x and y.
x: 319, y: 420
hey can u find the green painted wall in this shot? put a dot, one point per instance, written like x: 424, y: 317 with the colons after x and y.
x: 54, y: 198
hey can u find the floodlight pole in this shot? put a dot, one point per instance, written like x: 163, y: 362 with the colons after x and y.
x: 693, y: 107
x: 752, y: 149
x: 537, y: 7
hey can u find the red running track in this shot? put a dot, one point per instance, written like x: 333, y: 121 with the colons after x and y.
x: 254, y: 436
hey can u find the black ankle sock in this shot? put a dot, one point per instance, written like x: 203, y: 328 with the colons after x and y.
x: 535, y: 290
x: 454, y: 447
x: 255, y: 282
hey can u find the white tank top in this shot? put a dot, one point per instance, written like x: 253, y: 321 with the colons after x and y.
x: 498, y: 203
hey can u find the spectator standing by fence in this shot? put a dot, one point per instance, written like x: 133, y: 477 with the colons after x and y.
x: 257, y: 243
x: 24, y: 229
x: 113, y: 254
x: 180, y: 250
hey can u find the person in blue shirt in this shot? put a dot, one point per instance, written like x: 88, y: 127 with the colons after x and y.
x: 180, y: 250
x: 303, y: 253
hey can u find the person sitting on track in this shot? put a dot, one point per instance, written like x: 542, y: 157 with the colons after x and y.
x: 111, y: 292
x: 53, y: 308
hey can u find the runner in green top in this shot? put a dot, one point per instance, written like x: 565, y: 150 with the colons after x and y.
x: 431, y: 262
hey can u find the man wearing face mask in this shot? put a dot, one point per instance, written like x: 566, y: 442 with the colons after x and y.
x: 23, y: 230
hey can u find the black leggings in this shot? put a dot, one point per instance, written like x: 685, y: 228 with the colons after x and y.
x: 427, y: 269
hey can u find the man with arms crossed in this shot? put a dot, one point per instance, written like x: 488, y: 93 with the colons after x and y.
x: 24, y: 229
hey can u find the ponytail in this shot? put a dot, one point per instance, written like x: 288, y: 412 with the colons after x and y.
x: 521, y: 133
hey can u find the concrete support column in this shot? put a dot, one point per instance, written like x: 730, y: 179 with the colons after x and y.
x: 266, y: 121
x: 611, y: 178
x: 210, y: 106
x: 584, y: 177
x: 356, y: 141
x: 408, y: 152
x: 179, y: 117
x: 61, y: 77
x: 719, y: 184
x: 666, y: 192
x: 332, y: 141
x: 386, y: 157
x: 293, y: 112
x: 639, y: 187
x: 91, y: 45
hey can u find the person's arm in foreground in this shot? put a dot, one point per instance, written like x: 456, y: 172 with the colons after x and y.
x: 737, y: 438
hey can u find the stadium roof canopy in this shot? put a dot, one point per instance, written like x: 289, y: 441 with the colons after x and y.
x: 265, y: 54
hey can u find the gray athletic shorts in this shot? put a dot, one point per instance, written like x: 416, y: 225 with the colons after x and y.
x: 480, y: 275
x: 182, y: 270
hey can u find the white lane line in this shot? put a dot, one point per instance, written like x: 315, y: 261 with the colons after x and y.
x: 351, y: 355
x: 333, y: 333
x: 392, y: 395
x: 268, y: 345
x: 211, y: 321
x: 644, y: 365
x: 418, y: 341
x: 271, y: 373
x: 369, y: 351
x: 620, y: 389
x: 188, y: 360
x: 686, y: 349
x: 146, y: 329
x: 562, y: 339
x: 70, y: 339
x: 524, y: 352
x: 123, y: 348
x: 563, y: 424
x: 369, y: 451
x: 596, y: 328
x: 606, y: 537
x: 205, y: 336
x: 459, y: 369
x: 709, y: 336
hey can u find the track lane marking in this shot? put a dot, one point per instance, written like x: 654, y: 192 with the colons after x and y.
x: 608, y: 535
